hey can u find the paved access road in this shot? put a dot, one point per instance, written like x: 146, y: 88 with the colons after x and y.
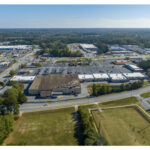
x: 144, y: 102
x: 53, y: 105
x: 25, y: 59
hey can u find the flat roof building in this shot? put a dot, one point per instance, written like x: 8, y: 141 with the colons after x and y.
x: 101, y: 76
x: 15, y: 47
x: 19, y: 78
x: 117, y: 77
x: 89, y: 48
x: 121, y: 62
x: 135, y: 75
x: 134, y: 68
x: 48, y: 85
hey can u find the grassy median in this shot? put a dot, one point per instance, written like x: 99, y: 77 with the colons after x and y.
x: 125, y: 101
x: 145, y: 95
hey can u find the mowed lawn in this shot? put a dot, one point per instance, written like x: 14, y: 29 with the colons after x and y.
x: 145, y: 95
x: 125, y: 101
x: 51, y: 127
x: 123, y: 126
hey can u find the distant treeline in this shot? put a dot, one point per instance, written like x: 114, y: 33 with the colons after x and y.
x: 99, y: 37
x: 58, y: 49
x: 101, y: 89
x: 145, y: 65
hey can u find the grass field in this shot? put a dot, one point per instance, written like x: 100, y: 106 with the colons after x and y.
x: 123, y: 126
x: 125, y: 101
x: 146, y: 82
x: 53, y: 127
x: 145, y: 95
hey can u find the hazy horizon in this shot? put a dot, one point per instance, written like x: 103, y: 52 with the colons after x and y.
x: 74, y: 16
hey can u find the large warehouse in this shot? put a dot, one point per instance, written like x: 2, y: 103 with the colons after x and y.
x: 15, y: 47
x: 134, y: 68
x: 55, y: 84
x: 88, y: 48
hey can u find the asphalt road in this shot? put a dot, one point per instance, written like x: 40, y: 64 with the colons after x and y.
x: 29, y: 107
x: 144, y: 102
x: 15, y: 66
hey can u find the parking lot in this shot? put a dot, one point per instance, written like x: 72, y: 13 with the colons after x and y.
x: 96, y: 67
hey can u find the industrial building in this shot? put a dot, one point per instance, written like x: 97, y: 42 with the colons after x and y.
x: 117, y: 49
x: 23, y: 79
x: 134, y: 75
x: 15, y: 47
x: 117, y: 77
x: 134, y: 68
x: 89, y: 48
x: 121, y: 62
x: 101, y: 76
x: 2, y: 64
x: 55, y: 84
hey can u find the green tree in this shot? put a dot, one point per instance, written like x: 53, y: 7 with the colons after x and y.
x: 22, y: 98
x: 12, y: 72
x: 11, y: 104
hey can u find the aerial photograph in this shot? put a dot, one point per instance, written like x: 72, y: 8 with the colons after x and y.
x: 74, y: 75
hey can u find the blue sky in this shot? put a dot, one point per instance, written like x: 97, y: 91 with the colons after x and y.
x: 74, y: 16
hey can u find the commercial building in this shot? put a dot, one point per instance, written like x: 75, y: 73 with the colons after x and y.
x: 4, y: 63
x: 121, y: 62
x: 54, y: 84
x: 118, y: 49
x: 86, y: 77
x: 134, y: 75
x: 89, y: 77
x: 23, y: 79
x: 89, y: 48
x: 121, y: 52
x: 81, y: 77
x: 134, y: 68
x: 117, y: 77
x: 101, y: 77
x: 15, y: 47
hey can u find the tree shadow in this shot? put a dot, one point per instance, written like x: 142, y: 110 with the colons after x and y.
x: 78, y: 128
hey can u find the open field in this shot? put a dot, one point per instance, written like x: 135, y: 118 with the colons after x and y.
x: 145, y: 95
x: 51, y: 127
x: 146, y: 82
x: 123, y: 126
x: 125, y: 101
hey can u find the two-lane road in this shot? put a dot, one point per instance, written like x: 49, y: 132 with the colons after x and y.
x: 15, y: 66
x: 41, y: 106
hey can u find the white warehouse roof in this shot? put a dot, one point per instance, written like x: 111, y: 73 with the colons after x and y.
x: 101, y: 76
x: 16, y: 47
x: 134, y: 67
x: 88, y: 76
x: 88, y: 46
x: 134, y: 75
x: 85, y: 77
x: 81, y: 76
x: 22, y: 78
x: 117, y: 76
